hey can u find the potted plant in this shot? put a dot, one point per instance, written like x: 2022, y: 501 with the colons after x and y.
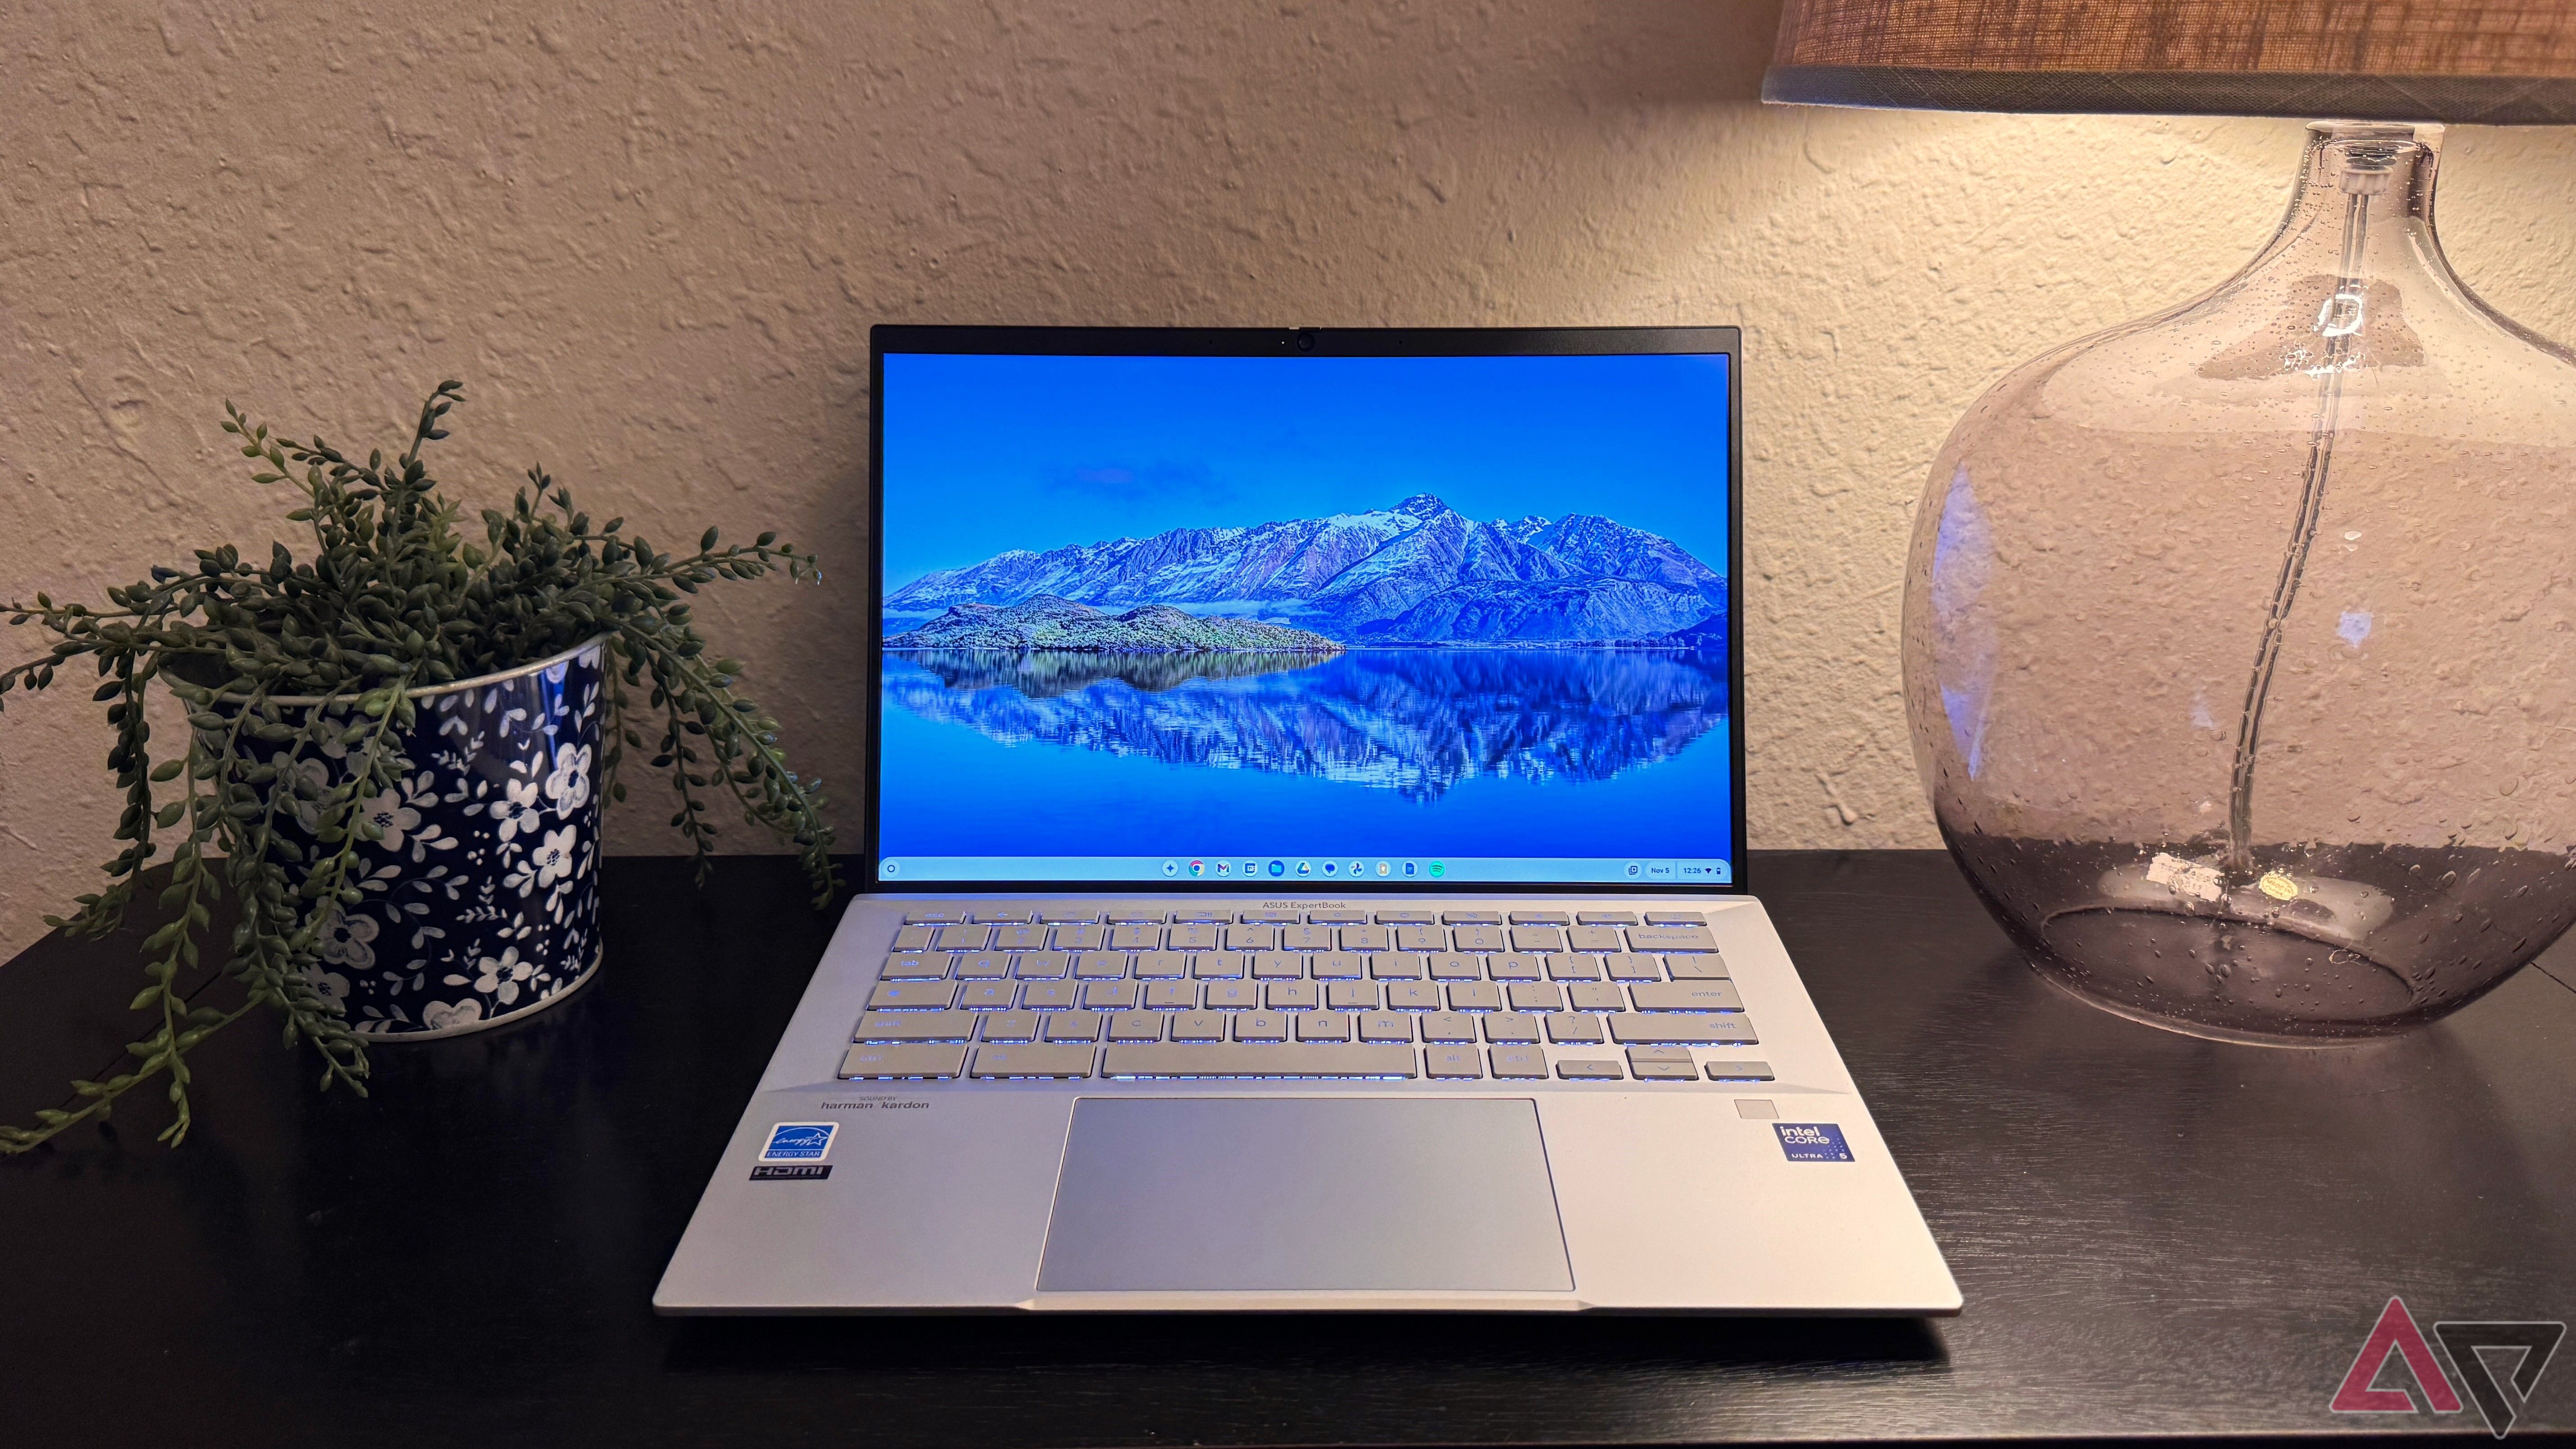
x: 395, y: 754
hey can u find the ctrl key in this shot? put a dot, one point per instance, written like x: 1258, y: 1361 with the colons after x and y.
x: 902, y: 1063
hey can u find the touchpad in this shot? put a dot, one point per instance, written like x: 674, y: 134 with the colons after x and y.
x: 1218, y: 1194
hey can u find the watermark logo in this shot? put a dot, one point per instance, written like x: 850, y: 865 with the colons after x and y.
x: 2524, y: 1348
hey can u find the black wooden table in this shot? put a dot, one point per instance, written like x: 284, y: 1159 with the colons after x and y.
x: 2155, y: 1234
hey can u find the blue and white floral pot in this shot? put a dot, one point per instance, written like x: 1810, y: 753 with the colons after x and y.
x: 483, y: 896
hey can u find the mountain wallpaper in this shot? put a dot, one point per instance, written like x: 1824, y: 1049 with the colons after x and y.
x: 1417, y: 574
x: 1463, y: 611
x: 1417, y: 722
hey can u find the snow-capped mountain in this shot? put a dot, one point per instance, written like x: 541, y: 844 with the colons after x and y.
x: 1419, y: 572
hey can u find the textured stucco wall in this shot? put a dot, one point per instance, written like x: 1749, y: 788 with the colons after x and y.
x: 651, y: 237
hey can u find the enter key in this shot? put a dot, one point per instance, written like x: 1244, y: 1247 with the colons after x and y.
x: 1686, y: 996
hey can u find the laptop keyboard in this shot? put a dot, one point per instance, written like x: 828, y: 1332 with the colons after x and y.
x: 996, y: 993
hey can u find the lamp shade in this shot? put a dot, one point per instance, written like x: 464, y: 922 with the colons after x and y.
x: 2495, y: 62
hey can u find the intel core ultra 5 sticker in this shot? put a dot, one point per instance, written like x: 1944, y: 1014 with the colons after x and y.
x: 1812, y: 1141
x: 799, y: 1141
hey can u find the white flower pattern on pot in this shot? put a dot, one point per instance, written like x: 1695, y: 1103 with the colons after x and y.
x: 553, y: 859
x: 501, y: 792
x: 517, y: 810
x: 345, y: 941
x: 388, y: 813
x: 569, y: 785
x: 439, y: 1016
x: 501, y: 975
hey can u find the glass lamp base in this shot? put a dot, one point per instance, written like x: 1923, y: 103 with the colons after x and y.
x: 2240, y: 641
x: 2289, y: 959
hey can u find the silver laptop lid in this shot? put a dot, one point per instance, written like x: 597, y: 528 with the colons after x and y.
x: 1355, y: 610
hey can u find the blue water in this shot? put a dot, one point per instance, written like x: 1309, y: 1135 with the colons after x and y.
x: 1417, y: 752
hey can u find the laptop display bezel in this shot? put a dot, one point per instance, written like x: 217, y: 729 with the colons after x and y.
x: 1302, y: 342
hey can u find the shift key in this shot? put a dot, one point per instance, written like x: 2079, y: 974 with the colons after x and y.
x: 1656, y: 1028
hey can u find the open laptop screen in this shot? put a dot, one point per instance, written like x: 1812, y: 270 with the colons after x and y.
x: 1306, y: 618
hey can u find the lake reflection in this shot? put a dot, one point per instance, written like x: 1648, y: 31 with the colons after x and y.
x: 1413, y: 721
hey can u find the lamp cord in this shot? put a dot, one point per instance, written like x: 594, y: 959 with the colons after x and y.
x: 2339, y: 320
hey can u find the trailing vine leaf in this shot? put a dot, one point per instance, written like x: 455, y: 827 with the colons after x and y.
x: 393, y: 597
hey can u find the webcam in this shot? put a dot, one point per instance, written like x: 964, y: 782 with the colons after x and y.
x: 1305, y: 339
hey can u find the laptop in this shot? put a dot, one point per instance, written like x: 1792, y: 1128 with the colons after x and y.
x: 1304, y: 856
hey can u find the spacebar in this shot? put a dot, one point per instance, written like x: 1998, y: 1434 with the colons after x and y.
x: 1258, y: 1060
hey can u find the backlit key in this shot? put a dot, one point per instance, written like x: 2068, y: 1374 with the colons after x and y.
x: 1395, y: 966
x: 887, y: 1026
x: 1136, y: 1026
x: 1047, y: 995
x: 1627, y: 967
x: 1385, y: 1026
x: 1352, y: 995
x: 1042, y: 965
x: 1573, y: 968
x: 912, y: 996
x: 1686, y: 996
x: 1323, y: 1026
x: 901, y: 1063
x: 1292, y: 995
x: 1451, y: 1063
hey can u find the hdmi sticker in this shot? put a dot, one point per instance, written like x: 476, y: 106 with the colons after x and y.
x: 1812, y: 1141
x: 792, y: 1172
